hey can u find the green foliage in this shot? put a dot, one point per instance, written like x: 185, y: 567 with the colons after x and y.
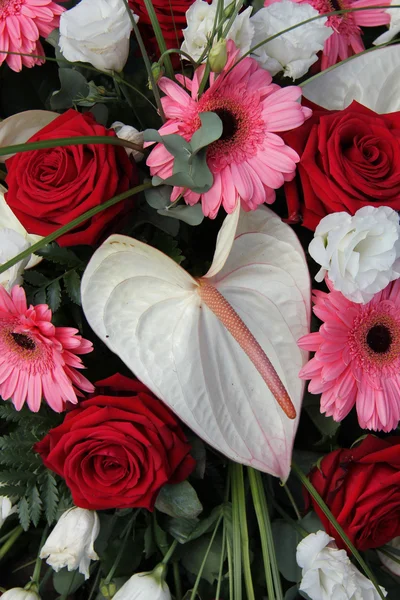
x: 22, y: 473
x: 179, y: 500
x: 166, y: 244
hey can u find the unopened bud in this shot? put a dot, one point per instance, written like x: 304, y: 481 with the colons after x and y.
x: 218, y: 56
x: 108, y: 589
x: 157, y: 71
x: 228, y: 12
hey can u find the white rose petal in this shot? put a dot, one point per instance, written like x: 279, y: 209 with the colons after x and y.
x: 126, y: 132
x: 328, y: 573
x: 359, y: 254
x: 144, y: 586
x: 70, y: 544
x: 390, y: 564
x: 292, y: 52
x: 97, y: 32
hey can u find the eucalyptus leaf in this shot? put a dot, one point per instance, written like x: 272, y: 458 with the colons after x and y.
x: 311, y: 522
x: 193, y: 556
x: 179, y: 500
x: 186, y: 530
x: 292, y: 593
x: 286, y: 539
x: 192, y: 215
x: 210, y: 131
x: 67, y: 582
x: 158, y: 197
x: 73, y: 86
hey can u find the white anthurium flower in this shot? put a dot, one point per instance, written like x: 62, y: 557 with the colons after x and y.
x: 145, y: 586
x: 373, y: 79
x: 70, y: 544
x: 97, y: 32
x: 394, y: 26
x: 221, y: 350
x: 20, y: 594
x: 390, y: 564
x: 295, y: 51
x: 126, y: 132
x: 19, y: 128
x: 6, y: 509
x: 328, y: 573
x: 360, y: 254
x: 200, y: 20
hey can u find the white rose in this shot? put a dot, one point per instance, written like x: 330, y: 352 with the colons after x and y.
x: 360, y: 254
x: 126, y: 132
x: 6, y: 509
x: 200, y: 20
x: 394, y: 26
x: 20, y: 594
x: 70, y: 544
x: 295, y: 51
x: 390, y: 564
x: 328, y: 573
x: 97, y: 32
x: 144, y: 586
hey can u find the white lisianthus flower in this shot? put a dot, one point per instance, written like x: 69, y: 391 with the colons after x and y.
x: 20, y: 594
x: 200, y: 20
x: 391, y: 565
x: 97, y: 32
x: 295, y: 51
x: 359, y: 254
x: 143, y: 586
x: 394, y: 26
x: 126, y: 132
x: 70, y: 544
x: 328, y: 573
x: 6, y: 509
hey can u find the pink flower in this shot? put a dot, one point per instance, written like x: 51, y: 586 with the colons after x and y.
x: 357, y: 357
x: 21, y: 24
x: 36, y: 358
x: 250, y: 160
x: 346, y: 39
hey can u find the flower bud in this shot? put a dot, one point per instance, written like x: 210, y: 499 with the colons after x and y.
x: 143, y: 586
x: 70, y: 544
x: 126, y: 132
x: 218, y: 56
x: 157, y: 71
x: 20, y: 594
x: 108, y: 589
x: 228, y: 12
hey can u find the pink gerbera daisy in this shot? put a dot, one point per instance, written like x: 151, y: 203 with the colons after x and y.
x: 21, y: 24
x: 346, y: 39
x: 249, y: 160
x: 36, y: 358
x: 357, y: 357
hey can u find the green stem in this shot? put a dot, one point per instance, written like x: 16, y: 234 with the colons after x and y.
x: 230, y: 567
x: 38, y: 563
x: 9, y: 534
x: 74, y: 223
x: 236, y: 541
x: 177, y: 51
x: 200, y: 573
x: 324, y: 508
x: 177, y: 580
x: 222, y: 560
x: 10, y: 542
x: 146, y: 61
x: 392, y: 557
x: 169, y: 553
x: 121, y: 550
x: 71, y: 141
x: 238, y: 496
x: 292, y: 500
x: 159, y: 37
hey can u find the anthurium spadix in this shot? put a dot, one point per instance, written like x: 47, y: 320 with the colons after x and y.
x: 221, y: 350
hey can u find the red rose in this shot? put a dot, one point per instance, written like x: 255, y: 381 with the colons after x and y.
x: 48, y: 188
x: 117, y: 451
x: 361, y: 487
x: 349, y: 159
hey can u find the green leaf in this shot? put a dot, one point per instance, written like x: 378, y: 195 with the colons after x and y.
x: 311, y: 522
x: 23, y: 513
x: 192, y: 215
x: 193, y: 555
x: 292, y: 593
x: 40, y: 297
x: 35, y: 505
x: 49, y: 494
x: 179, y: 500
x: 54, y: 295
x: 73, y: 87
x: 72, y: 283
x: 160, y: 537
x: 159, y: 197
x: 67, y: 582
x: 35, y: 278
x: 62, y: 256
x: 210, y: 131
x: 286, y: 539
x: 185, y: 530
x: 168, y: 246
x: 325, y: 425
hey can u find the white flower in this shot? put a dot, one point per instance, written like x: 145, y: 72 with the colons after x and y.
x: 70, y: 544
x: 144, y: 586
x: 200, y: 19
x: 13, y: 239
x: 360, y: 254
x: 394, y: 27
x: 20, y: 594
x: 390, y: 564
x: 328, y: 573
x: 126, y: 132
x: 97, y: 32
x: 6, y: 509
x: 295, y: 51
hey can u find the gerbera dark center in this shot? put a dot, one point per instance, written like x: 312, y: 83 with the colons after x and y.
x: 379, y: 339
x: 336, y: 5
x: 24, y: 341
x: 229, y: 123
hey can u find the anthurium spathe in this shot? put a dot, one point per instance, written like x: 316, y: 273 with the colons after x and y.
x: 221, y: 350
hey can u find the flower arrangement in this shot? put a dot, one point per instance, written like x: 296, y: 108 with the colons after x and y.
x: 199, y: 300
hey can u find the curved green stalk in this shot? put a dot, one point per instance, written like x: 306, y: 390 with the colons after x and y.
x: 236, y: 538
x: 222, y: 560
x: 177, y: 51
x: 203, y: 563
x: 313, y: 492
x: 74, y: 223
x: 238, y: 498
x: 159, y: 37
x: 10, y: 542
x: 72, y: 141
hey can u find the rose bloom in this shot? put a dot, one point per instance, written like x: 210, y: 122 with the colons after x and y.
x: 118, y: 450
x: 50, y: 187
x: 349, y: 159
x: 361, y: 486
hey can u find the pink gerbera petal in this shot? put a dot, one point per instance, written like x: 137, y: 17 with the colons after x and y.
x: 38, y: 359
x: 357, y: 358
x: 251, y: 108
